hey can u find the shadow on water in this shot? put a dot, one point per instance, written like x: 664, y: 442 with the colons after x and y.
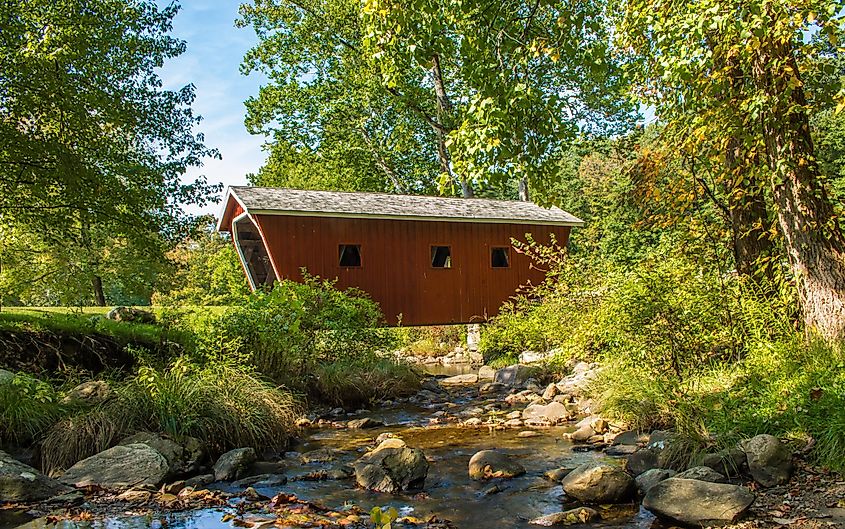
x: 449, y: 493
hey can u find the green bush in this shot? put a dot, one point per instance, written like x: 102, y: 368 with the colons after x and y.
x: 224, y: 405
x: 28, y: 407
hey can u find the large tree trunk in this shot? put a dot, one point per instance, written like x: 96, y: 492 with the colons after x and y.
x: 444, y: 112
x: 99, y: 295
x: 814, y: 242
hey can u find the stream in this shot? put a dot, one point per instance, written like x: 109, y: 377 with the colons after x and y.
x: 448, y: 493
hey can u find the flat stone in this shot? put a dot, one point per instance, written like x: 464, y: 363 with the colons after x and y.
x: 698, y: 503
x: 581, y: 515
x: 554, y: 412
x: 119, y: 467
x: 650, y: 478
x: 459, y: 380
x: 702, y: 473
x: 513, y: 375
x: 557, y: 474
x: 364, y: 423
x: 22, y: 483
x: 486, y: 373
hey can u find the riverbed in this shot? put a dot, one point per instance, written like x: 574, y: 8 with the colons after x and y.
x: 448, y: 493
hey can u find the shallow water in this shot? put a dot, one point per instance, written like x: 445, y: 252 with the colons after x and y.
x: 449, y: 493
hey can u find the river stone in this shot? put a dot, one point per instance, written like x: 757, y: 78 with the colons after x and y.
x: 650, y: 478
x: 599, y: 483
x: 702, y: 473
x: 551, y: 392
x: 392, y: 467
x: 557, y: 474
x: 769, y: 460
x: 581, y: 515
x: 364, y: 423
x: 698, y: 503
x: 655, y: 455
x: 492, y: 387
x: 488, y: 464
x: 119, y: 467
x: 233, y: 464
x: 89, y: 393
x: 20, y: 482
x: 554, y: 412
x: 486, y: 373
x: 729, y: 462
x: 457, y: 380
x: 172, y: 451
x: 513, y: 375
x: 131, y: 314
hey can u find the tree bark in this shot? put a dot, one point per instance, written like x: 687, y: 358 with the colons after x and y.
x: 444, y: 112
x: 99, y: 295
x: 814, y: 242
x: 524, y: 194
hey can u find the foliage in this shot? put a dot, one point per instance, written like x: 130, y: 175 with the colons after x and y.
x: 208, y: 272
x: 383, y: 518
x: 223, y: 405
x: 28, y: 407
x: 92, y: 149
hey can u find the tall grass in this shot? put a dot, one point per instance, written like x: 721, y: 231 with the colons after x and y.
x: 28, y: 407
x: 351, y: 382
x: 224, y: 406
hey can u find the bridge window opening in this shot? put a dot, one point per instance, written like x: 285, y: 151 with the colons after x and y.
x: 500, y: 257
x: 441, y: 257
x: 349, y: 255
x: 253, y: 253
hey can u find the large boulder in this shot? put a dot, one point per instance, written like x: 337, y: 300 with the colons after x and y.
x: 22, y: 483
x: 486, y: 373
x: 730, y: 462
x: 233, y: 464
x: 392, y: 467
x: 553, y: 412
x: 582, y: 376
x: 182, y: 458
x: 89, y: 393
x: 513, y: 375
x: 489, y: 464
x: 698, y: 503
x: 769, y: 460
x: 581, y: 515
x: 650, y: 478
x: 119, y: 467
x: 599, y: 483
x: 657, y: 454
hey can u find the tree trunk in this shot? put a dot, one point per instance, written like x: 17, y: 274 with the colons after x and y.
x: 383, y: 164
x: 814, y: 242
x: 444, y: 113
x: 99, y: 295
x: 524, y: 195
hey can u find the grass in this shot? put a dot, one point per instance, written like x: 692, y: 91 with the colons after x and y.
x: 223, y: 406
x: 791, y: 389
x: 27, y: 408
x: 355, y: 382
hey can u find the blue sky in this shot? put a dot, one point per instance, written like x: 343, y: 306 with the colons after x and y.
x: 211, y: 63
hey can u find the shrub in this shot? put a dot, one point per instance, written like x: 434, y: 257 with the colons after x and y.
x: 28, y: 407
x: 224, y: 405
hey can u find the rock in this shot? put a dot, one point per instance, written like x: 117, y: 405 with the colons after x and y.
x: 68, y: 499
x: 650, y: 478
x: 554, y: 412
x: 89, y: 393
x: 135, y: 496
x: 364, y: 423
x: 22, y: 483
x: 119, y: 467
x: 581, y: 434
x: 475, y: 421
x: 698, y: 503
x: 528, y: 434
x: 431, y: 384
x: 131, y: 314
x: 173, y: 488
x: 599, y: 483
x: 581, y: 515
x: 631, y: 438
x: 769, y: 460
x: 492, y: 489
x: 392, y: 467
x: 599, y: 425
x: 486, y: 373
x: 233, y: 464
x: 551, y: 392
x: 488, y: 464
x: 199, y: 481
x: 557, y: 474
x: 702, y: 473
x: 729, y: 462
x: 492, y: 387
x: 261, y: 481
x: 459, y: 380
x: 513, y: 375
x: 533, y: 357
x: 320, y: 455
x: 514, y: 423
x: 582, y: 375
x: 654, y: 455
x: 173, y: 452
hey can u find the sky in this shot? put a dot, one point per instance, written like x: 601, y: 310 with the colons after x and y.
x: 215, y: 48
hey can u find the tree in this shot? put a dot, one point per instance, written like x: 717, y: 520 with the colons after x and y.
x: 91, y: 147
x: 687, y: 56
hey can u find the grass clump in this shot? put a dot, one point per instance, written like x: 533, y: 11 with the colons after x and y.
x: 28, y: 407
x: 223, y: 405
x: 350, y: 382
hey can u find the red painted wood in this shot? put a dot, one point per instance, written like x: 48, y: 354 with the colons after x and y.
x: 396, y: 262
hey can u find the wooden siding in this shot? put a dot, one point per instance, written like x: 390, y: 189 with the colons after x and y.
x: 396, y: 262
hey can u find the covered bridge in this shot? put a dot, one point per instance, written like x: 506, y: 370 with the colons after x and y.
x: 425, y: 260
